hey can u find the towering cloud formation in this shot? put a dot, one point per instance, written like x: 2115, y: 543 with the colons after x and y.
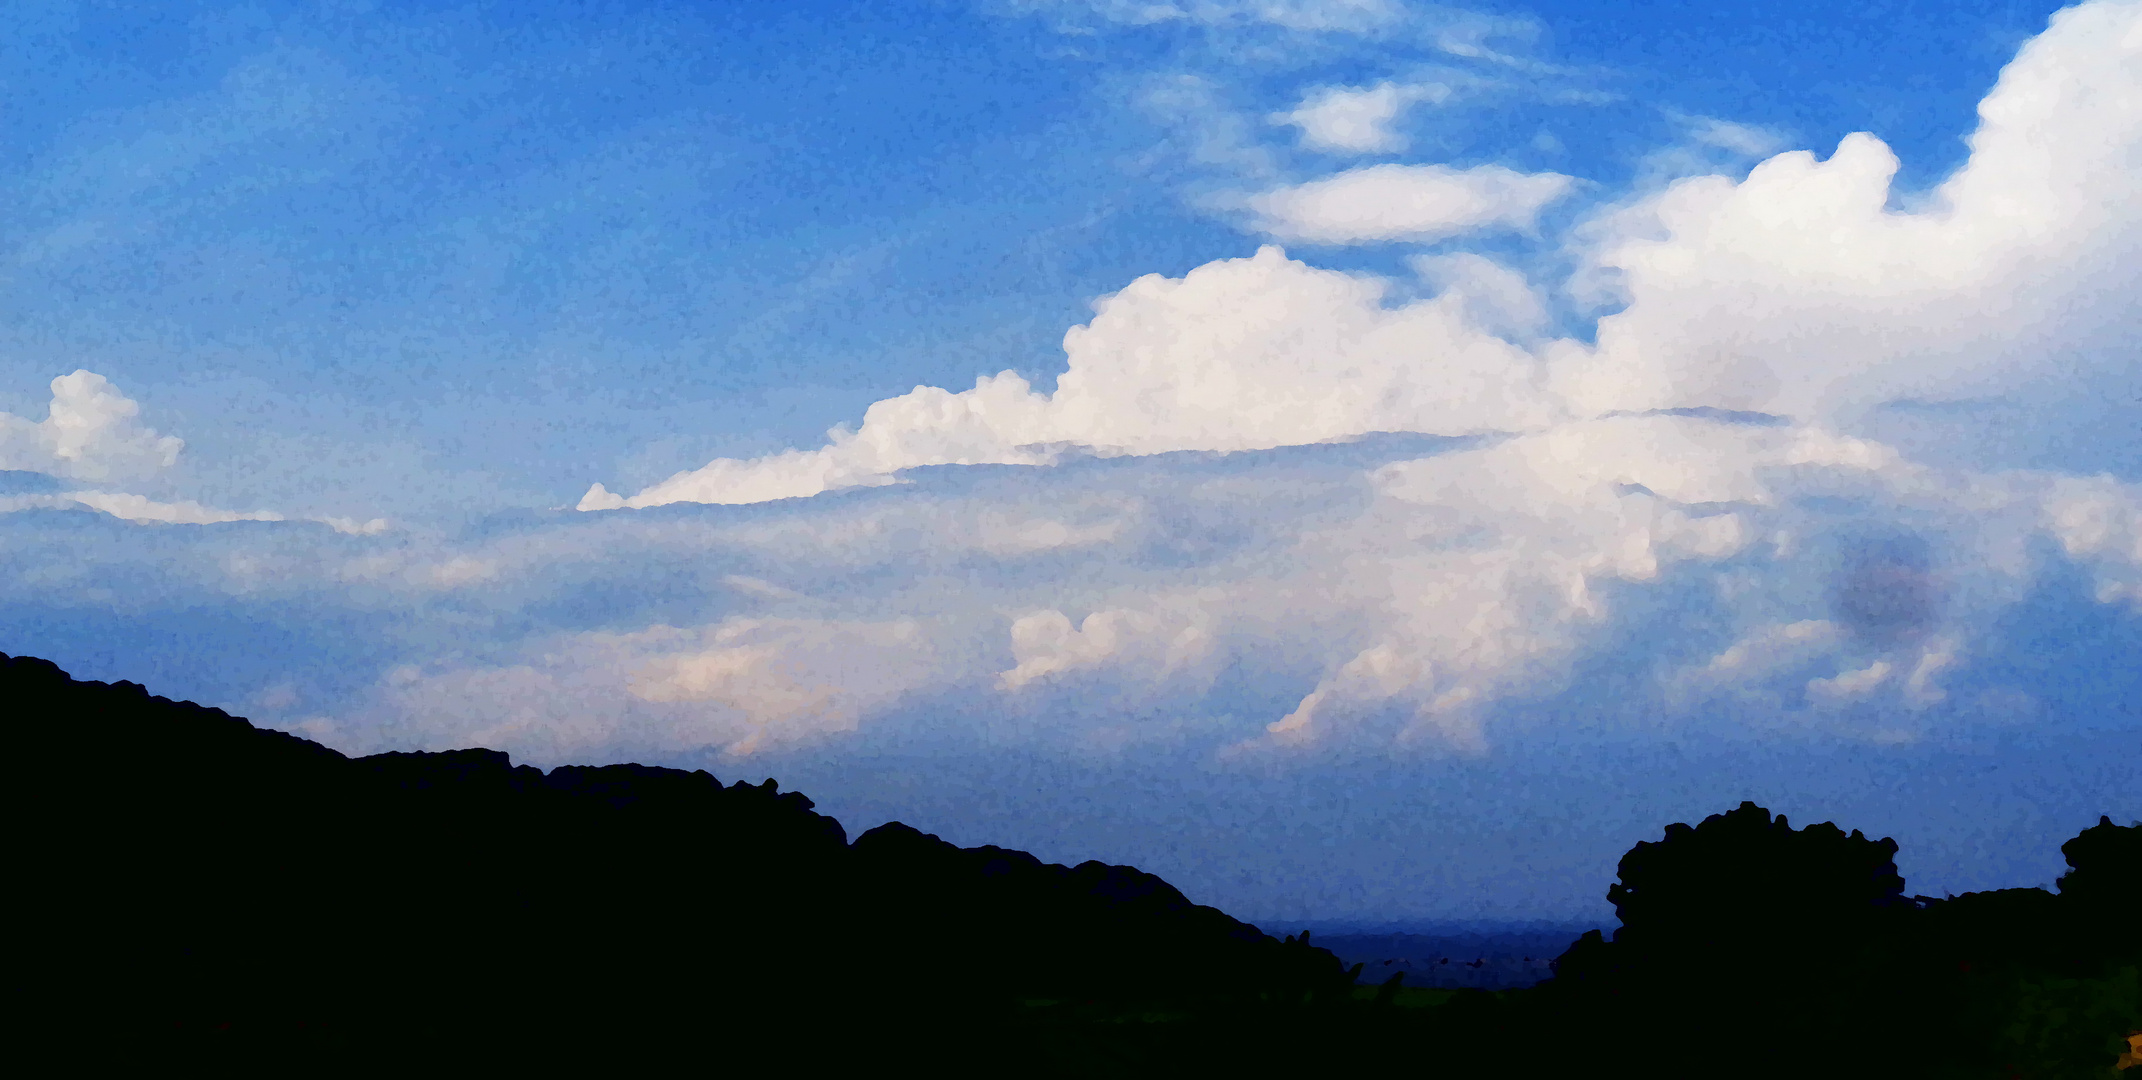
x: 1804, y: 290
x: 91, y: 434
x: 1304, y: 569
x: 1241, y: 354
x: 1800, y: 291
x: 1705, y: 440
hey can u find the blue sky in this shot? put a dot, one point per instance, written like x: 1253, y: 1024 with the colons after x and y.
x: 1419, y: 450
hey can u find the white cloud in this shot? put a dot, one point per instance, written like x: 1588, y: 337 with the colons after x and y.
x: 91, y: 433
x: 182, y: 512
x: 1011, y: 534
x: 10, y: 504
x: 353, y: 527
x: 1406, y: 202
x: 1797, y: 291
x: 1366, y: 595
x: 1801, y: 291
x: 1358, y: 119
x: 1424, y: 601
x: 1758, y: 655
x: 1736, y: 138
x: 1331, y: 16
x: 1474, y: 579
x: 1707, y: 145
x: 135, y: 508
x: 1204, y: 128
x: 1850, y: 685
x: 1490, y: 563
x: 2099, y: 520
x: 1920, y: 687
x: 1236, y: 355
x: 783, y: 679
x: 990, y: 424
x: 739, y: 686
x: 1046, y: 643
x: 1495, y: 298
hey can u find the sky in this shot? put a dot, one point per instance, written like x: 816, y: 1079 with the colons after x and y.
x: 1363, y: 461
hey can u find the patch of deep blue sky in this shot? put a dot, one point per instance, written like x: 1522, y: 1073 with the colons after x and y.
x: 487, y: 253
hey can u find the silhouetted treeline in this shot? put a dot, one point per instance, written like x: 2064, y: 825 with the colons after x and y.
x: 196, y: 887
x: 195, y: 881
x: 1796, y: 952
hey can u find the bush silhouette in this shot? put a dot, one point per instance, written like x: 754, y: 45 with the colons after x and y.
x: 1743, y: 880
x: 1735, y: 933
x: 2102, y: 890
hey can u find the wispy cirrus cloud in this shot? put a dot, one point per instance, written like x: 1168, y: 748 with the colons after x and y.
x: 1317, y: 16
x: 1383, y: 203
x: 1358, y: 120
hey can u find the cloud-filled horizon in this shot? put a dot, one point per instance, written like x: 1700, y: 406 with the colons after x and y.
x: 1443, y: 506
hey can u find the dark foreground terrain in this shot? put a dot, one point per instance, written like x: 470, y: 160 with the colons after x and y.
x: 199, y: 892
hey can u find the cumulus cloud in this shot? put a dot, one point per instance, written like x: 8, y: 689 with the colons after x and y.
x: 2099, y: 520
x: 1703, y: 442
x: 1699, y: 458
x: 1422, y: 601
x: 1240, y: 354
x: 1162, y: 643
x: 1275, y: 601
x: 1496, y: 298
x: 783, y: 679
x: 1800, y: 291
x: 1484, y: 574
x: 91, y: 433
x: 1494, y: 560
x: 1358, y: 120
x: 1805, y: 290
x: 1757, y: 656
x: 1406, y: 202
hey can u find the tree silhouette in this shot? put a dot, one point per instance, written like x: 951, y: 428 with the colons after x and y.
x: 1734, y: 934
x: 1744, y: 881
x: 2103, y: 887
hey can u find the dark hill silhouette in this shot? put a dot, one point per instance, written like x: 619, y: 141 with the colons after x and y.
x: 193, y: 879
x: 1139, y: 936
x: 190, y: 885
